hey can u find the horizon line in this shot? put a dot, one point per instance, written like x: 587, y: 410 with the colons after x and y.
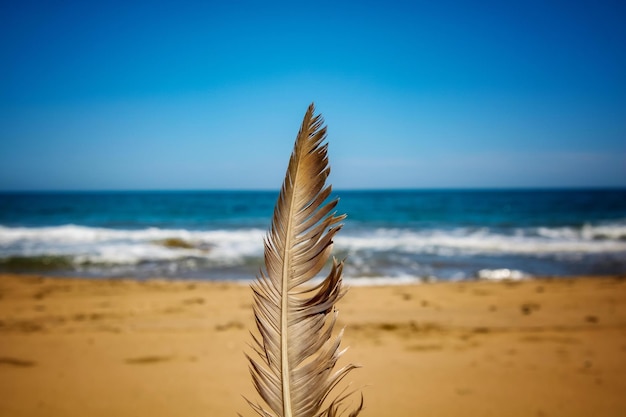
x: 346, y: 189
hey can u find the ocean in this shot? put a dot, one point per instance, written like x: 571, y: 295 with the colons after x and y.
x: 389, y: 236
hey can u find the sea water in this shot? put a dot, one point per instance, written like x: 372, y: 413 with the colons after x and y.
x: 389, y: 236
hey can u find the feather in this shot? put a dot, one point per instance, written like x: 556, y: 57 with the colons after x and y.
x: 297, y: 352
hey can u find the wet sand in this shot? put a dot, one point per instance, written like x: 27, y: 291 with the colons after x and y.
x: 81, y: 347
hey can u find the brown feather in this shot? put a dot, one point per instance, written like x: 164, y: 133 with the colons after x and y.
x: 297, y: 353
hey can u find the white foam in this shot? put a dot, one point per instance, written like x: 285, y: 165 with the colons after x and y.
x: 483, y: 241
x: 502, y: 274
x: 87, y: 245
x: 587, y: 232
x: 100, y: 245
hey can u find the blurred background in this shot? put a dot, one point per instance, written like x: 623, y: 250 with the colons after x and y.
x: 467, y: 139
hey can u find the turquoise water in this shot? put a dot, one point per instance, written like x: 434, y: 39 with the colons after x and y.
x: 388, y: 235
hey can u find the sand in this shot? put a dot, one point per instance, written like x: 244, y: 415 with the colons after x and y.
x: 81, y: 347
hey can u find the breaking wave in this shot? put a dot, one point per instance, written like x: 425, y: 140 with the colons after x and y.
x: 381, y: 253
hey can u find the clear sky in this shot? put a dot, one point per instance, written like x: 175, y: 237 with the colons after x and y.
x: 420, y: 94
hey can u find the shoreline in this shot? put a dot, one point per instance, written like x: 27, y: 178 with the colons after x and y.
x: 161, y: 347
x: 493, y: 275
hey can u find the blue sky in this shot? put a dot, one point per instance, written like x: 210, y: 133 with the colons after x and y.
x: 202, y: 95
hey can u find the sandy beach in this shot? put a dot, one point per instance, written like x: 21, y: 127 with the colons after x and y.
x: 87, y: 347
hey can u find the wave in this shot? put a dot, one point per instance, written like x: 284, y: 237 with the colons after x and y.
x: 88, y: 245
x: 374, y: 255
x: 615, y: 231
x: 100, y: 245
x: 465, y: 241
